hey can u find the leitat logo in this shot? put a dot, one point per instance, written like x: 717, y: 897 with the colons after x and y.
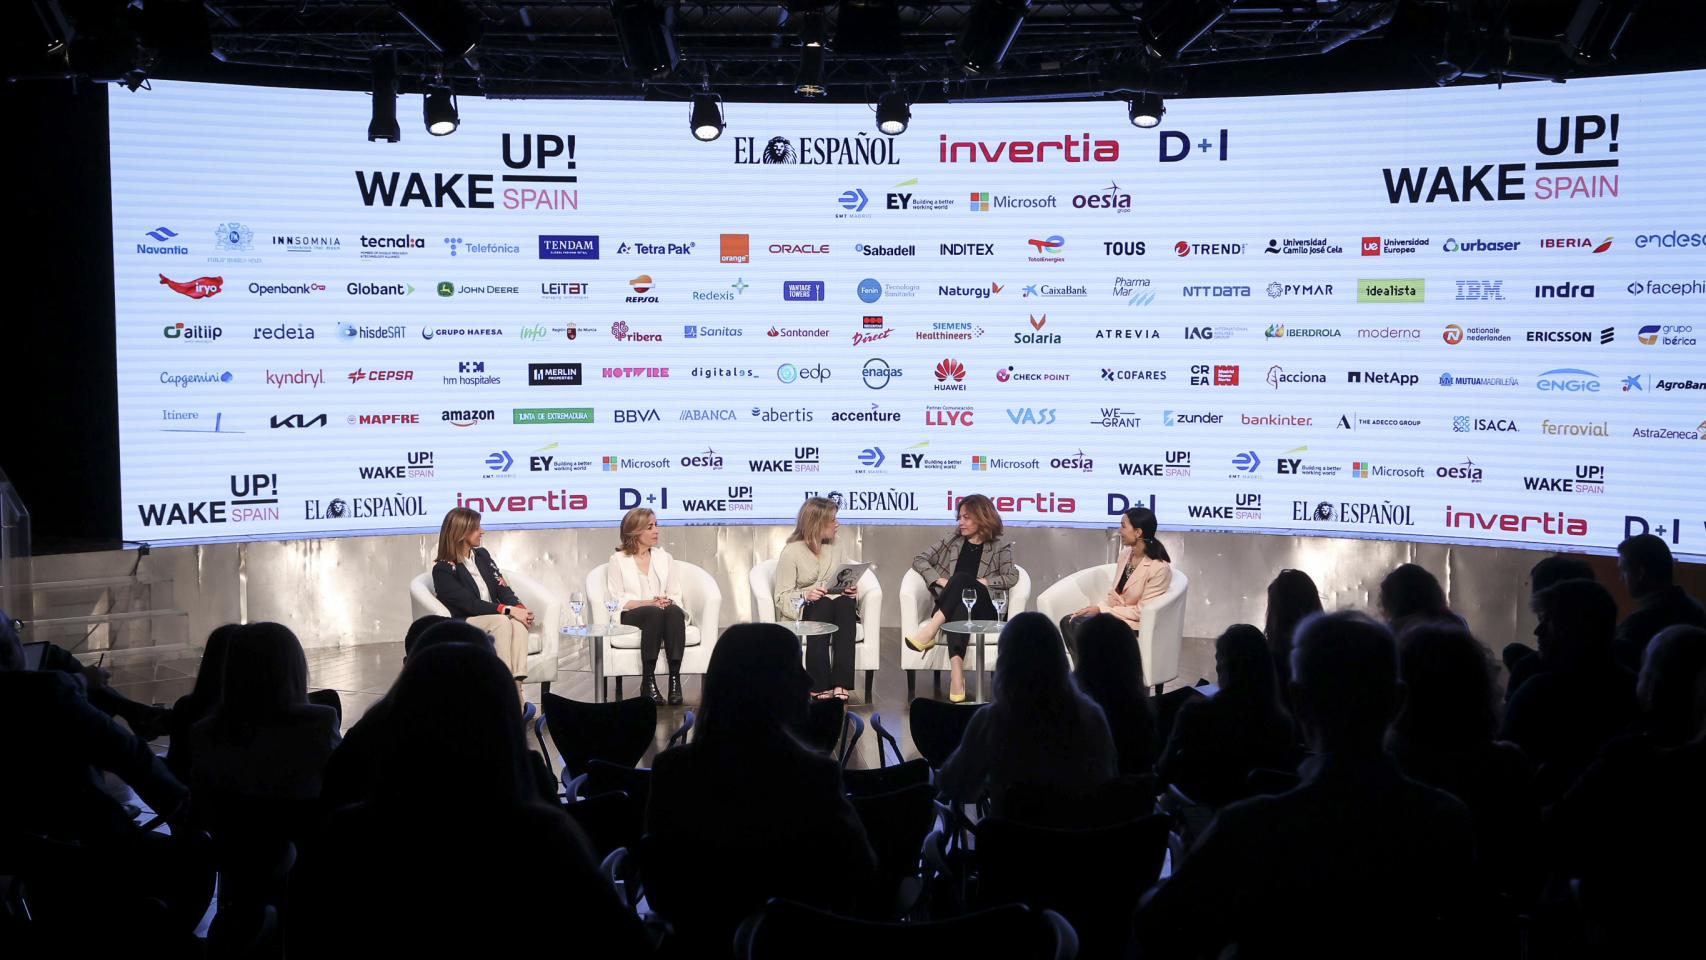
x: 198, y: 289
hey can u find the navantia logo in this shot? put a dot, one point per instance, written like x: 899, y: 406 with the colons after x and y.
x: 198, y: 289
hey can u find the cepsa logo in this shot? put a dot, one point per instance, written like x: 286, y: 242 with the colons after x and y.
x: 548, y: 160
x: 198, y: 289
x: 1584, y: 142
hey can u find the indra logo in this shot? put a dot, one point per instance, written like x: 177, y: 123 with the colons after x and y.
x: 534, y: 153
x: 1047, y: 249
x: 1578, y: 151
x: 198, y: 289
x: 870, y: 290
x: 233, y: 237
x: 163, y: 245
x: 556, y: 246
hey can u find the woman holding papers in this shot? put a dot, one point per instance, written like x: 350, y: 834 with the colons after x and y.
x: 802, y: 593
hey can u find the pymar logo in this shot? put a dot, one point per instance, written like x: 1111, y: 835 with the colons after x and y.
x: 198, y: 289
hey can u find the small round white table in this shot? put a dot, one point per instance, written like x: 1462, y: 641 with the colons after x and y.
x: 596, y: 634
x: 978, y: 629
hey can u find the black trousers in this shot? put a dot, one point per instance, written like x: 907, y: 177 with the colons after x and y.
x: 1069, y: 625
x: 827, y: 672
x: 664, y: 627
x: 949, y: 603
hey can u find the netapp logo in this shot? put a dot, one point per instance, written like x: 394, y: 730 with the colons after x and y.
x: 1382, y: 378
x: 1185, y: 248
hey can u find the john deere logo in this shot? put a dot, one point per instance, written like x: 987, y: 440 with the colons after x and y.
x: 446, y: 288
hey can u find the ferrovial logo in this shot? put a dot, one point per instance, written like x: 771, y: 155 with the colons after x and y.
x: 1079, y: 148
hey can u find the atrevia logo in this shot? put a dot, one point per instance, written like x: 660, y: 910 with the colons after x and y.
x: 567, y: 247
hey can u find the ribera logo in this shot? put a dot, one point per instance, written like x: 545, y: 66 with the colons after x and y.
x: 861, y: 151
x: 198, y: 289
x: 1589, y: 139
x: 535, y: 191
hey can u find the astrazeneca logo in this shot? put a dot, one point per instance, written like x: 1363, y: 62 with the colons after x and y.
x: 567, y: 247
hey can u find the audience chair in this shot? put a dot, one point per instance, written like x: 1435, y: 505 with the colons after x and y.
x: 885, y: 778
x: 784, y: 930
x: 611, y: 820
x: 603, y: 777
x: 1161, y: 632
x: 896, y: 824
x: 619, y: 732
x: 937, y: 727
x: 542, y: 640
x: 701, y: 598
x: 915, y: 607
x: 866, y: 651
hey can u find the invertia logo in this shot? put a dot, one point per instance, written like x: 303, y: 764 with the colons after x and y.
x: 553, y: 501
x: 1071, y: 149
x: 1038, y: 502
x: 1578, y: 135
x: 198, y: 289
x: 533, y: 152
x: 1550, y: 524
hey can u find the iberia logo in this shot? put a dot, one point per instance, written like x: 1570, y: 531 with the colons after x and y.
x: 198, y: 289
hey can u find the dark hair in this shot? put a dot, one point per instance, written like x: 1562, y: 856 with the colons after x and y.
x: 1581, y: 618
x: 413, y: 634
x: 266, y: 673
x: 754, y: 686
x: 1143, y: 520
x: 1292, y: 595
x: 1650, y: 555
x: 1033, y: 682
x: 1450, y: 700
x: 452, y: 631
x: 1411, y: 594
x: 210, y: 675
x: 1344, y: 670
x: 1668, y: 686
x: 455, y: 733
x: 1110, y: 672
x: 1556, y: 569
x: 1245, y: 669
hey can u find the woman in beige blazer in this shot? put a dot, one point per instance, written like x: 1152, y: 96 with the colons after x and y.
x: 802, y: 573
x: 1145, y: 572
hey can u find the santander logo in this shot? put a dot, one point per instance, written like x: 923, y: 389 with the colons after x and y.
x: 198, y: 289
x: 1071, y: 148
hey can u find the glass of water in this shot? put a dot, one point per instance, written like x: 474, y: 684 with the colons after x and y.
x: 610, y: 607
x: 999, y: 599
x: 577, y: 603
x: 969, y: 598
x: 799, y: 608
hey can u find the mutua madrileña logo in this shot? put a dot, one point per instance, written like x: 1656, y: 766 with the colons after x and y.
x: 1589, y: 140
x: 544, y: 165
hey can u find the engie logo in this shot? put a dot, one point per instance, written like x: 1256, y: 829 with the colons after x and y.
x: 1586, y: 173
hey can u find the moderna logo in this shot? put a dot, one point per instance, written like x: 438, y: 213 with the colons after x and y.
x: 198, y: 289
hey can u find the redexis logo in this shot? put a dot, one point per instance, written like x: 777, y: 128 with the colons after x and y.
x: 870, y: 290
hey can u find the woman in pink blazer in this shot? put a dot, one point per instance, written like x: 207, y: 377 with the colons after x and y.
x: 1144, y: 573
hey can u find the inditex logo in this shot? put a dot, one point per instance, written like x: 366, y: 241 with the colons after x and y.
x: 1391, y: 291
x: 567, y: 247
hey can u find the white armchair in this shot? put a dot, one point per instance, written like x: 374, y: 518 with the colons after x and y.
x: 620, y: 656
x: 915, y: 605
x: 542, y: 640
x: 866, y: 651
x: 1161, y: 632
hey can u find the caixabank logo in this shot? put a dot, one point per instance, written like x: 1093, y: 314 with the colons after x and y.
x: 545, y: 178
x: 1578, y: 160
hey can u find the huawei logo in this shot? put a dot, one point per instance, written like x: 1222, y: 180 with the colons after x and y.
x: 950, y: 370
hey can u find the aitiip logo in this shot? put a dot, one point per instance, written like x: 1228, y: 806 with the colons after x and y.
x: 567, y: 247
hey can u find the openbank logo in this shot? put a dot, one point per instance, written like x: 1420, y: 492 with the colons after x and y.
x: 1409, y: 290
x: 556, y: 246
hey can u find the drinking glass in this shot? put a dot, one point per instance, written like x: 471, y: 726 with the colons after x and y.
x: 969, y: 598
x: 999, y: 599
x: 611, y: 607
x: 577, y: 603
x: 799, y: 608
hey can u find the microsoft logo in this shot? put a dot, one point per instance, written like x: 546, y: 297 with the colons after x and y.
x: 1359, y: 468
x: 980, y: 202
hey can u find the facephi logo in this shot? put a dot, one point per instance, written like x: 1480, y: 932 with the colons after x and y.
x: 198, y: 289
x: 1590, y: 139
x: 537, y: 190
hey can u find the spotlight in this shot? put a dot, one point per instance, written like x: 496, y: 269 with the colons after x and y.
x: 988, y: 33
x: 1173, y: 25
x: 449, y: 25
x: 812, y: 28
x: 706, y: 117
x: 893, y: 113
x: 383, y: 125
x: 439, y: 104
x: 646, y: 34
x: 1146, y: 110
x: 1595, y: 29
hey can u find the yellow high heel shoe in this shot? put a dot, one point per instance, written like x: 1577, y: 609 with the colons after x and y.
x: 956, y: 698
x: 921, y: 647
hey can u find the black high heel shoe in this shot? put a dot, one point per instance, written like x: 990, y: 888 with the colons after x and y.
x: 649, y: 690
x: 675, y: 689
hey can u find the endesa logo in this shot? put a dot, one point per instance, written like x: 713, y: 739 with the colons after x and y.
x: 1669, y: 241
x: 1590, y: 140
x: 1071, y: 148
x: 532, y: 152
x: 198, y: 289
x: 557, y: 246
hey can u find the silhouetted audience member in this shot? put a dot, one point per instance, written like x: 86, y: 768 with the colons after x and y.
x: 1039, y: 729
x: 1664, y: 688
x: 353, y: 767
x: 1292, y: 595
x: 745, y: 811
x: 193, y: 707
x: 1410, y: 595
x: 1581, y: 697
x: 455, y: 850
x: 145, y: 720
x: 1443, y: 737
x: 1217, y: 741
x: 1521, y: 660
x: 1110, y: 672
x: 1629, y: 833
x: 1358, y: 860
x: 57, y: 746
x: 1644, y: 562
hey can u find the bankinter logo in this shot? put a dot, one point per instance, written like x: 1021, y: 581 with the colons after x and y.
x: 736, y: 248
x: 198, y: 289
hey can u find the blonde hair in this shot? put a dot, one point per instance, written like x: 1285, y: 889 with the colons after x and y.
x: 982, y: 512
x: 814, y: 517
x: 634, y: 523
x: 453, y: 534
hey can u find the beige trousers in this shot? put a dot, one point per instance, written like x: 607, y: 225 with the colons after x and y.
x: 509, y: 639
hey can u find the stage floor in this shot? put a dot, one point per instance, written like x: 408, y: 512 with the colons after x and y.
x: 361, y: 675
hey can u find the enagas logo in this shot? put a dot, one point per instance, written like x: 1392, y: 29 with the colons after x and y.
x: 198, y: 289
x: 1453, y: 334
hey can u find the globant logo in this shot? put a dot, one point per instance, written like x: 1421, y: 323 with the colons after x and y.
x: 379, y: 289
x: 567, y: 247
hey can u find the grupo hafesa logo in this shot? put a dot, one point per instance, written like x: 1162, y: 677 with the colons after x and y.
x: 535, y: 190
x: 1589, y: 139
x: 858, y: 151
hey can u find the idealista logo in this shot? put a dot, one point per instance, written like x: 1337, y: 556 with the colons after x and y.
x: 1391, y: 291
x: 1079, y: 148
x: 531, y: 152
x: 1590, y: 140
x: 198, y: 289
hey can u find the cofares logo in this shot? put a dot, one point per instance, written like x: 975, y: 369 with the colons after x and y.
x: 536, y: 190
x: 1578, y: 149
x: 198, y: 289
x: 557, y: 246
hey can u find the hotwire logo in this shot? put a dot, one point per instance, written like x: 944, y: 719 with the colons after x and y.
x: 1079, y: 148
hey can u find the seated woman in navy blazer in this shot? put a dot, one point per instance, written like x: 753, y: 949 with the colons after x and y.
x: 470, y: 585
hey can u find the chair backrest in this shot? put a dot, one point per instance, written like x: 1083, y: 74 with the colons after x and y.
x: 1162, y: 632
x: 762, y: 579
x: 786, y: 929
x: 825, y: 720
x: 1076, y: 591
x: 618, y: 733
x: 938, y: 726
x: 1045, y: 805
x: 605, y: 777
x: 896, y: 824
x: 861, y: 783
x: 423, y: 600
x: 611, y: 819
